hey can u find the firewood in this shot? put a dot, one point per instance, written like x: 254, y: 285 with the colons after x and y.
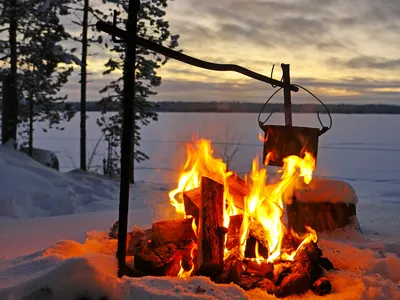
x: 250, y: 250
x: 192, y: 201
x: 172, y: 231
x: 232, y: 268
x: 237, y: 188
x: 294, y: 284
x: 257, y: 231
x: 309, y: 252
x: 137, y: 240
x: 233, y: 239
x: 211, y: 233
x: 313, y: 270
x: 266, y: 285
x: 323, y: 216
x: 248, y: 281
x: 322, y: 287
x: 161, y: 261
x: 263, y: 268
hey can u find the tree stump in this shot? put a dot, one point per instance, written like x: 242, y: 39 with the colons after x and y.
x: 323, y: 205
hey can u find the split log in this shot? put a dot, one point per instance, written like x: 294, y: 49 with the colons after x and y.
x: 237, y: 188
x: 325, y: 263
x: 192, y: 200
x: 324, y: 205
x: 263, y: 268
x: 267, y: 285
x: 294, y: 284
x: 233, y: 239
x: 249, y: 281
x: 309, y: 252
x: 162, y: 261
x: 232, y: 268
x: 211, y: 233
x: 172, y: 231
x: 137, y: 240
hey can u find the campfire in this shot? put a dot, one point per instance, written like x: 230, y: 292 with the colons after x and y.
x: 233, y: 230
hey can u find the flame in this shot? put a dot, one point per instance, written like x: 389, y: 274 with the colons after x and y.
x: 264, y: 203
x: 186, y: 274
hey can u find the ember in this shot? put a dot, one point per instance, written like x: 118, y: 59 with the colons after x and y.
x: 233, y: 230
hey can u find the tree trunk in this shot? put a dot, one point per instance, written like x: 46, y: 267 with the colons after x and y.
x: 83, y: 86
x: 12, y: 93
x: 30, y: 149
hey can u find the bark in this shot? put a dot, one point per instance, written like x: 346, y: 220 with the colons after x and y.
x: 211, y: 231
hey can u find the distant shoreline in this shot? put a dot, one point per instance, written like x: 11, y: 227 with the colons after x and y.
x: 241, y: 107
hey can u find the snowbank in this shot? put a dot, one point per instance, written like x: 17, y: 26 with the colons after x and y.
x: 325, y: 190
x: 70, y: 270
x: 29, y: 189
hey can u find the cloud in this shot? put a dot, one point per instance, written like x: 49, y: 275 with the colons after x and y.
x: 372, y: 62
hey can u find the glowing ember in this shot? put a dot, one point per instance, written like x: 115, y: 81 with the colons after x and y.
x: 264, y: 203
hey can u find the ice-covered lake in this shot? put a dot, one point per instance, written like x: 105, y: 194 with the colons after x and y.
x: 361, y: 149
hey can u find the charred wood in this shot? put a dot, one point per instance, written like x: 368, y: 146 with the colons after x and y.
x: 322, y: 287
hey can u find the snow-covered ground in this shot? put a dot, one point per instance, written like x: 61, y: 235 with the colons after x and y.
x: 54, y: 245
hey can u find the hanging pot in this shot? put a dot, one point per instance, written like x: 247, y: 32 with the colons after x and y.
x: 282, y: 141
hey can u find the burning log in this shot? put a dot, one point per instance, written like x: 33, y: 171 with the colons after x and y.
x: 162, y: 261
x: 172, y: 231
x: 294, y: 284
x: 267, y: 285
x: 233, y: 239
x: 261, y: 268
x: 232, y: 268
x: 237, y: 188
x: 322, y: 287
x: 248, y: 281
x: 137, y: 240
x: 211, y: 233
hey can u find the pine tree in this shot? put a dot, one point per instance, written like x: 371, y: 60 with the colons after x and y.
x: 152, y: 26
x: 88, y: 36
x: 43, y: 64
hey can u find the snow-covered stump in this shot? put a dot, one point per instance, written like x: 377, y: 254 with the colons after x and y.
x: 324, y: 205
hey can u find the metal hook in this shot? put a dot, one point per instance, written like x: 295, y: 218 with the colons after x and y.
x: 113, y: 37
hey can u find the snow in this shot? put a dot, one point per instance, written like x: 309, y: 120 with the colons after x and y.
x: 326, y: 190
x: 54, y: 243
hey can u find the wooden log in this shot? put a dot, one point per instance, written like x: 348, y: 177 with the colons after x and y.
x: 233, y: 238
x: 232, y: 268
x: 172, y: 231
x: 294, y: 284
x: 162, y: 261
x: 192, y: 201
x: 249, y: 281
x: 237, y: 187
x: 267, y: 285
x: 137, y: 240
x: 211, y: 233
x: 320, y: 216
x: 322, y: 287
x: 263, y: 268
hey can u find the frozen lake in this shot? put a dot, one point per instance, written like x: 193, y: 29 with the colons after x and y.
x: 363, y: 150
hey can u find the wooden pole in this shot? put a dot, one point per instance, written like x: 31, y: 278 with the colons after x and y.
x: 286, y: 94
x: 83, y: 86
x: 127, y: 133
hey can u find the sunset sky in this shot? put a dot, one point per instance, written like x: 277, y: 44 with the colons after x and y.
x: 343, y: 50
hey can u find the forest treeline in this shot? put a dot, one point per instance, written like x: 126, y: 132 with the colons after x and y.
x: 241, y: 107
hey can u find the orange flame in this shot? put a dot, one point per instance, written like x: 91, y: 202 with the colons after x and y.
x: 186, y: 274
x: 264, y: 202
